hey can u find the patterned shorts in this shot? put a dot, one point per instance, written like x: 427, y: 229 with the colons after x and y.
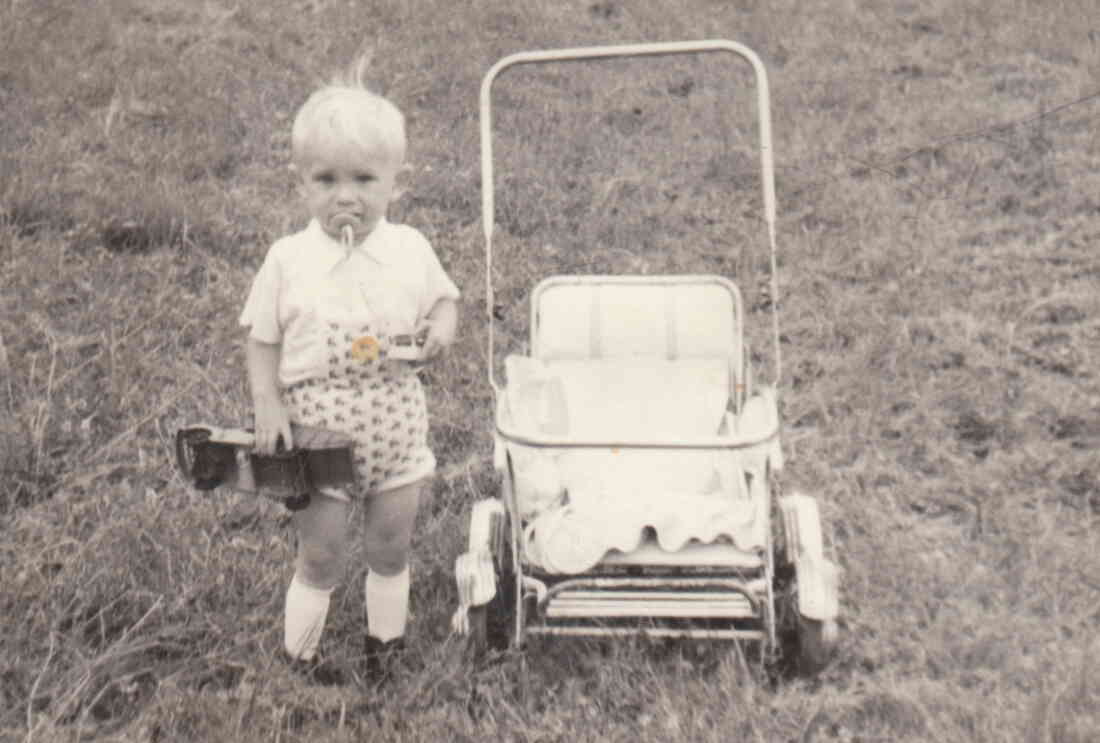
x: 377, y: 401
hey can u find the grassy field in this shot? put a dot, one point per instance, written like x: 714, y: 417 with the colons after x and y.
x: 938, y: 171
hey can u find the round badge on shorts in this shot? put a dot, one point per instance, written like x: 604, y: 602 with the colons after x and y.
x: 365, y: 349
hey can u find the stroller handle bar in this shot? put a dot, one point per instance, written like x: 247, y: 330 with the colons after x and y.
x: 488, y: 217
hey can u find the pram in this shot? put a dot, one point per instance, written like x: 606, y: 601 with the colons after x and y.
x: 638, y: 457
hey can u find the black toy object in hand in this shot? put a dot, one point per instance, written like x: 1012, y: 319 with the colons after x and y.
x: 210, y: 457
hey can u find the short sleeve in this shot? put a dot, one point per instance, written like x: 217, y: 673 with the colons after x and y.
x: 261, y: 309
x: 437, y: 284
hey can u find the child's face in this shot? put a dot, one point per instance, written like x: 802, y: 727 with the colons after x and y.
x: 344, y: 183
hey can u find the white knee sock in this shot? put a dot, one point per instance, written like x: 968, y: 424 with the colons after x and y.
x: 387, y: 604
x: 306, y: 609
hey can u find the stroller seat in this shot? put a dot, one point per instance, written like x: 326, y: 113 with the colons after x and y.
x: 616, y: 361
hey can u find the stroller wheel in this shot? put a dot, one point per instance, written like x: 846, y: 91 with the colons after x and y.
x: 817, y: 641
x: 492, y: 625
x: 490, y: 629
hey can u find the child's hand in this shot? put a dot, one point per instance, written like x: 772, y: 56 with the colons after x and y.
x: 438, y: 328
x: 271, y: 422
x: 271, y: 418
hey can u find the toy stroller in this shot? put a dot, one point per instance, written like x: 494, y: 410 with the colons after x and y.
x: 637, y: 457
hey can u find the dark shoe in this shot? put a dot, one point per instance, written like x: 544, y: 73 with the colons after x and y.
x: 316, y: 670
x: 380, y: 658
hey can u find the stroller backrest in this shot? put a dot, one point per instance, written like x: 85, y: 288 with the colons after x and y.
x: 638, y: 317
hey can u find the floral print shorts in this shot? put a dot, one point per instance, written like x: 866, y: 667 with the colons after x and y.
x: 379, y: 402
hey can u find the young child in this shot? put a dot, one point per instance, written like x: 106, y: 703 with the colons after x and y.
x: 322, y: 312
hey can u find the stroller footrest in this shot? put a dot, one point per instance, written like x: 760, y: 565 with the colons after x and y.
x: 664, y: 604
x: 698, y: 633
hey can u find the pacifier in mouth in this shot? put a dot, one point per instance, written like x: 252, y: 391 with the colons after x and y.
x: 347, y: 235
x: 342, y: 222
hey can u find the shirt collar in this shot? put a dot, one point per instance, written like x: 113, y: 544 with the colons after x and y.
x: 372, y: 246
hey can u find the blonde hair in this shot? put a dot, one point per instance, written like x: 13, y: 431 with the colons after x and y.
x: 345, y: 110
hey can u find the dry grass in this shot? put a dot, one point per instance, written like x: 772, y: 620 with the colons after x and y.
x: 937, y: 171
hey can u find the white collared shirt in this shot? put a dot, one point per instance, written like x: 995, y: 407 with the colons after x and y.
x: 391, y: 280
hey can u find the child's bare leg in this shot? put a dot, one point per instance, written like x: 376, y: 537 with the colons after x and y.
x: 322, y: 548
x: 322, y: 540
x: 389, y: 523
